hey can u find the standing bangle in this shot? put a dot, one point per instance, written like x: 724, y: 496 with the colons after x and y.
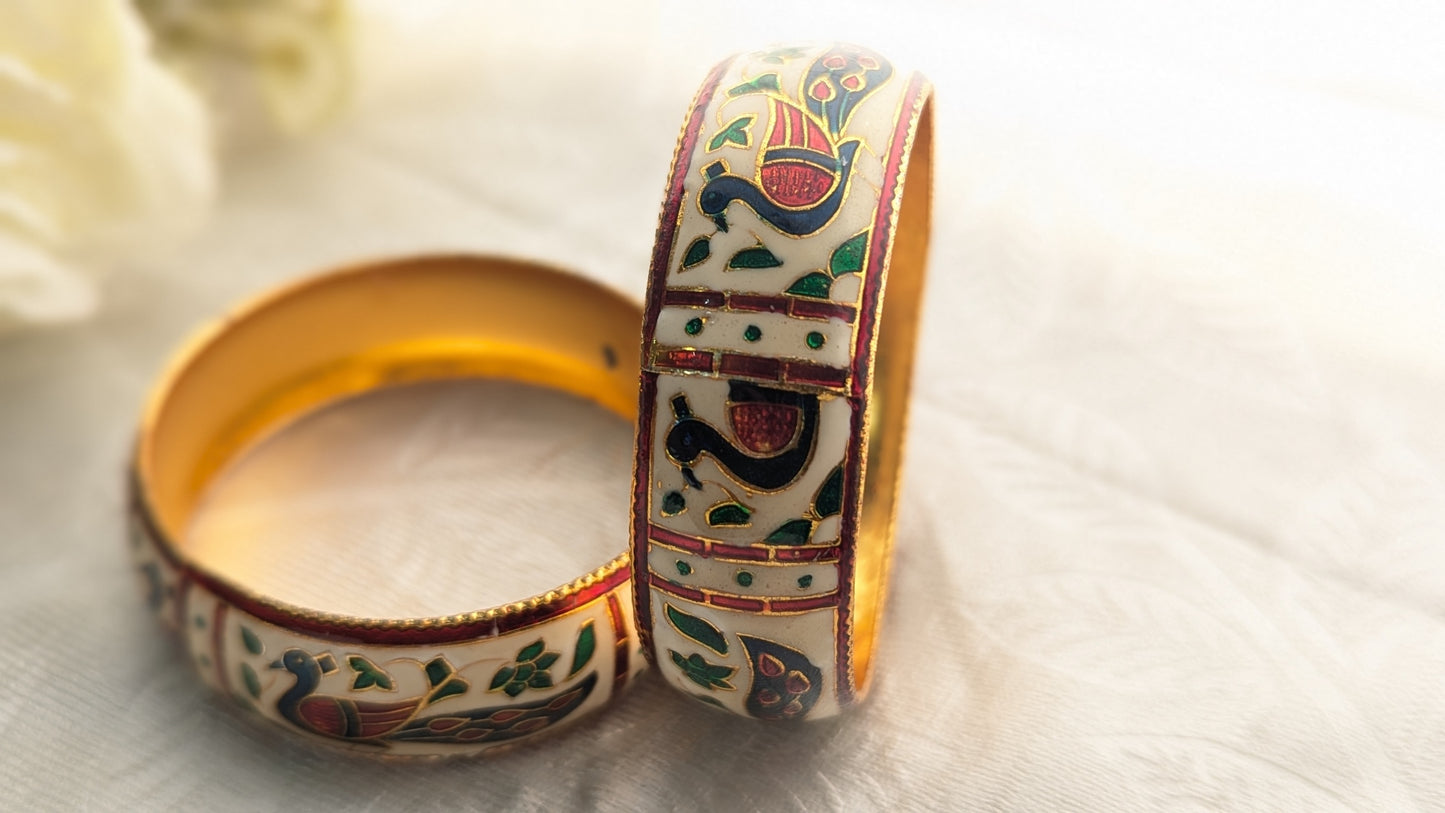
x: 774, y: 385
x: 425, y: 686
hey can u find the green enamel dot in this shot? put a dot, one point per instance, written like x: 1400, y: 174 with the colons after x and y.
x: 744, y: 578
x: 753, y: 333
x: 815, y: 340
x: 804, y: 582
x: 683, y: 568
x: 673, y: 503
x: 693, y: 327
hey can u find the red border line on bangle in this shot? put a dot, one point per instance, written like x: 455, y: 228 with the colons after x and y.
x: 758, y: 303
x: 739, y: 365
x: 619, y: 634
x: 709, y: 549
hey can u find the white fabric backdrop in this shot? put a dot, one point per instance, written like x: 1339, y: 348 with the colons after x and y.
x: 1173, y: 533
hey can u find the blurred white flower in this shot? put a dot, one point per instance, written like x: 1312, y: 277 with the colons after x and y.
x: 101, y: 151
x: 288, y: 59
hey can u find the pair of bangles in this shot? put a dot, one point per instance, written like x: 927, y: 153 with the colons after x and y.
x: 776, y: 354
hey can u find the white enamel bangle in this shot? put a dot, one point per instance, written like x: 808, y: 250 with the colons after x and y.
x: 777, y: 352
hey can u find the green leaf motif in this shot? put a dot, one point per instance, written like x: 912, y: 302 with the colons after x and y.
x: 732, y: 514
x: 547, y: 659
x: 586, y: 645
x: 829, y: 500
x: 438, y: 669
x: 501, y: 678
x: 697, y: 629
x: 848, y: 258
x: 541, y: 680
x: 752, y: 258
x: 531, y: 651
x: 252, y: 643
x: 514, y: 689
x: 369, y: 674
x: 451, y: 687
x: 697, y: 252
x: 792, y: 532
x: 814, y: 284
x: 762, y: 84
x: 736, y: 132
x: 253, y: 683
x: 708, y: 675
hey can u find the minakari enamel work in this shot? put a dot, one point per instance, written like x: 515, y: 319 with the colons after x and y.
x: 765, y: 286
x: 428, y: 692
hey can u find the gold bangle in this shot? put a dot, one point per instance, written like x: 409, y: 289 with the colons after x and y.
x: 407, y: 686
x: 774, y: 391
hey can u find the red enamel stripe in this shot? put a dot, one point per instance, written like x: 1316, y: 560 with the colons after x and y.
x: 801, y: 307
x: 798, y: 605
x: 676, y: 589
x: 802, y: 372
x: 819, y: 309
x: 745, y: 603
x: 679, y: 359
x: 779, y: 135
x: 684, y: 298
x: 619, y: 634
x: 750, y: 366
x: 642, y: 480
x: 737, y: 365
x: 709, y: 549
x: 829, y: 554
x: 758, y: 303
x: 740, y: 552
x: 755, y: 605
x: 677, y: 540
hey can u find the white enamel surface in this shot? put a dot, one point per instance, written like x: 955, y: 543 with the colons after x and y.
x: 768, y: 578
x: 782, y: 336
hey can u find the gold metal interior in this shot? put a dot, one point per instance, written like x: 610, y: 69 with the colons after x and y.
x: 378, y: 325
x: 886, y: 417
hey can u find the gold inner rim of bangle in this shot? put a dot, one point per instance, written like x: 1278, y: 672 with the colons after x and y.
x: 885, y: 423
x: 359, y: 329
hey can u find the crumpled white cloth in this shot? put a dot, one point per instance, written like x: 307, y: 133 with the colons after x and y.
x: 1171, y: 536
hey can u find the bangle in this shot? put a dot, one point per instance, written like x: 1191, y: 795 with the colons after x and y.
x: 407, y: 686
x: 774, y: 390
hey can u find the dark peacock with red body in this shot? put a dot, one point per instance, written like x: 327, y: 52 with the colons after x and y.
x: 371, y: 722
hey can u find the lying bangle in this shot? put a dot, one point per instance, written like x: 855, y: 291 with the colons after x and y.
x: 426, y: 686
x: 774, y: 390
